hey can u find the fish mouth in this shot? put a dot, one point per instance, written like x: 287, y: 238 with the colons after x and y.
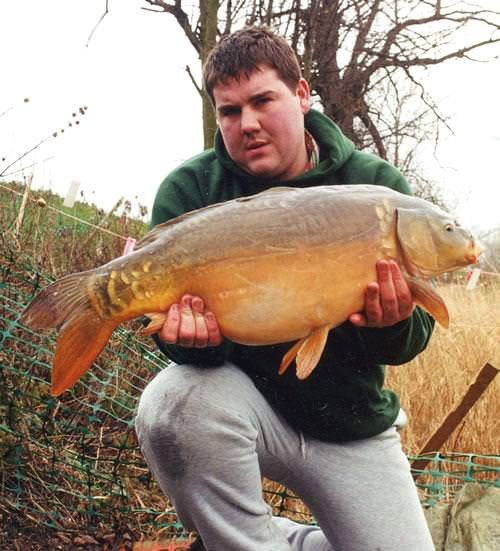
x: 472, y: 258
x: 476, y: 250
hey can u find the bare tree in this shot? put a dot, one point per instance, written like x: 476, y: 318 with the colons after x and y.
x: 366, y: 60
x: 353, y: 50
x: 202, y: 34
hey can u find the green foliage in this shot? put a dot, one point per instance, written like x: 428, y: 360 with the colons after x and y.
x: 59, y: 244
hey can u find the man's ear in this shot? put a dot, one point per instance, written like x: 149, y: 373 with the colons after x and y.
x: 304, y: 95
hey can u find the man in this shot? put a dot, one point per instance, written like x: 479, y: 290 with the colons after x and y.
x: 211, y: 425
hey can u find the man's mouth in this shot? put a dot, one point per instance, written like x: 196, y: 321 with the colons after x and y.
x: 255, y: 145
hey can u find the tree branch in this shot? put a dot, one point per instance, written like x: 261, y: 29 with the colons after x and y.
x: 193, y: 80
x: 106, y: 11
x: 373, y: 130
x: 365, y: 27
x: 460, y: 18
x: 181, y: 17
x: 394, y: 61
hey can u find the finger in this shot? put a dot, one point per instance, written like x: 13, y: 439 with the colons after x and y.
x: 358, y: 319
x: 186, y: 301
x: 403, y: 293
x: 388, y: 299
x: 187, y: 328
x: 214, y: 334
x: 170, y: 330
x: 197, y: 304
x: 373, y: 308
x: 201, y: 331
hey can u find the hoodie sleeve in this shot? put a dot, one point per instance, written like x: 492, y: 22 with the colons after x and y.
x: 202, y: 357
x: 399, y: 343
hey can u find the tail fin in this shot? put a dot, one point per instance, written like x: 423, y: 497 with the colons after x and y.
x: 54, y: 304
x: 80, y: 341
x: 64, y: 305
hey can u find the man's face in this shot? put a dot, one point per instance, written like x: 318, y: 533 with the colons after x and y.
x: 262, y: 123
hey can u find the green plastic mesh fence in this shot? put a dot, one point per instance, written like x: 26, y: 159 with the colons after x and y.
x: 448, y: 472
x: 73, y: 464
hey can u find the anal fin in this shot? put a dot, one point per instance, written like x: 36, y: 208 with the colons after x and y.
x: 306, y: 352
x: 425, y: 296
x: 290, y: 356
x: 310, y: 352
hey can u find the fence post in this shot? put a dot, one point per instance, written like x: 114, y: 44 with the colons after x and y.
x: 452, y: 420
x: 20, y: 216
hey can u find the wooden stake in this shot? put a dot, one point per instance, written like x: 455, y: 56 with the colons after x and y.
x: 20, y: 216
x: 474, y: 392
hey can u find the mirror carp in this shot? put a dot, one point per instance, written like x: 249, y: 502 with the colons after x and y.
x: 287, y: 264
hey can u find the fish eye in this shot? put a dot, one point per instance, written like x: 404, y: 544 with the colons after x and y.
x: 449, y: 227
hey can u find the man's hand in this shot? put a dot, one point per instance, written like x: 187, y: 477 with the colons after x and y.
x: 387, y: 301
x: 189, y: 324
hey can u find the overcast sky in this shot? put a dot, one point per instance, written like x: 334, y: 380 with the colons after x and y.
x: 143, y: 114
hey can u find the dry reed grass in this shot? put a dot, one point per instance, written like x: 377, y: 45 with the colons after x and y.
x: 434, y: 382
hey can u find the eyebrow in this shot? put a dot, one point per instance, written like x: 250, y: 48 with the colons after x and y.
x: 254, y: 97
x: 261, y: 94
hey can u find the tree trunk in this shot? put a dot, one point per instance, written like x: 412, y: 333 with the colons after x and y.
x: 208, y: 35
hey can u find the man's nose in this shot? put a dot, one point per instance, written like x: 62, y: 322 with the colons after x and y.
x: 249, y: 121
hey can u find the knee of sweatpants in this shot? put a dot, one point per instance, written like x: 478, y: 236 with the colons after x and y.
x: 188, y: 415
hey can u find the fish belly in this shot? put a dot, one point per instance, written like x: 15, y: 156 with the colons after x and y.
x: 279, y: 298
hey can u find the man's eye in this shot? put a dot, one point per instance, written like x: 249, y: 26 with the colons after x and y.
x: 229, y: 111
x: 262, y: 101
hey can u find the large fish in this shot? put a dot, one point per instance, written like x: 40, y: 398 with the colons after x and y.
x: 283, y: 265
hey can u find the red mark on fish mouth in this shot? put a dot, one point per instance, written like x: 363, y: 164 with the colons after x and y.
x: 473, y: 257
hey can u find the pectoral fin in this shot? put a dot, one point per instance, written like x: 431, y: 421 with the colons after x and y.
x: 156, y: 323
x: 425, y: 296
x: 307, y: 352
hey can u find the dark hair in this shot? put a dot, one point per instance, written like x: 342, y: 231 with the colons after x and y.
x: 242, y: 52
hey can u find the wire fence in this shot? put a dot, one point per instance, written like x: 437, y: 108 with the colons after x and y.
x: 72, y: 464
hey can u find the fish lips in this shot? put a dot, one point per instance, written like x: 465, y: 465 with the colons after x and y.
x: 477, y: 249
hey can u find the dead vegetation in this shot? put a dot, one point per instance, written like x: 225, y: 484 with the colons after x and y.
x: 432, y: 384
x: 71, y: 469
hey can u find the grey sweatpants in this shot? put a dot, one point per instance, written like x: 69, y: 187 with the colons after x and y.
x: 208, y: 435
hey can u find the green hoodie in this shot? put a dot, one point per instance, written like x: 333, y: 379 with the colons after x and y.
x: 344, y: 398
